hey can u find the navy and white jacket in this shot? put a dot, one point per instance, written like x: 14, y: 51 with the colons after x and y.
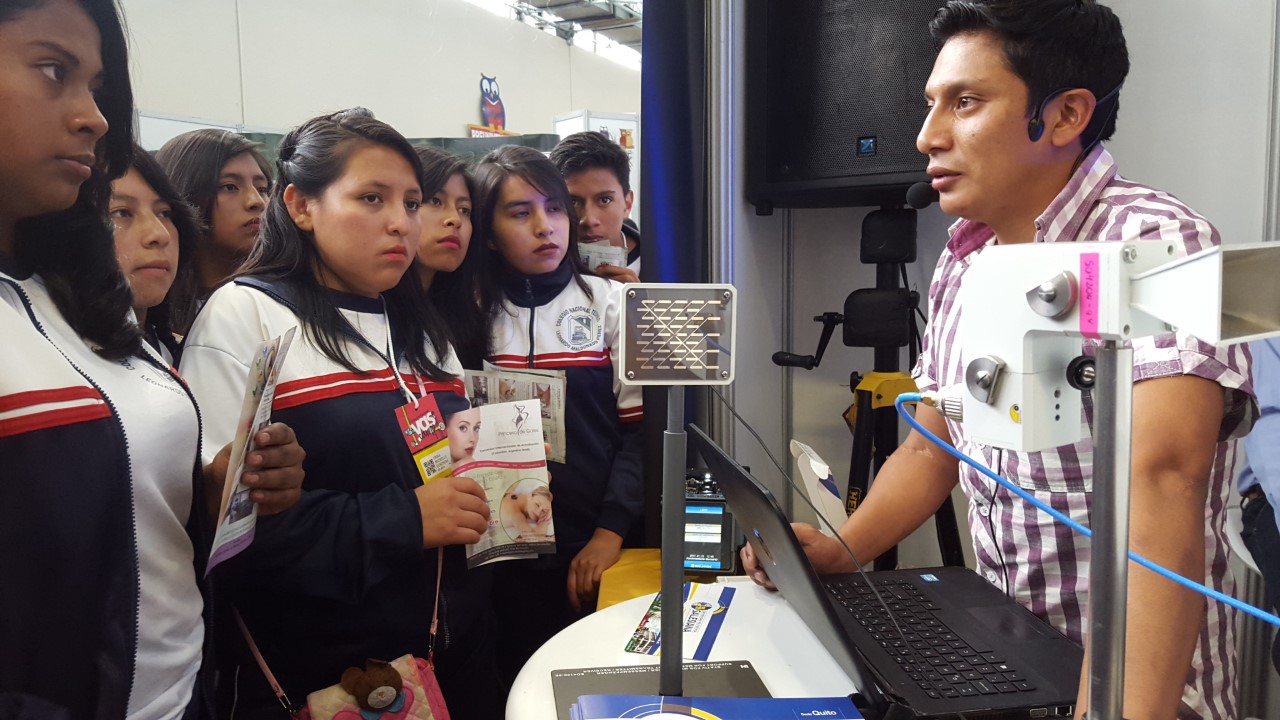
x: 69, y: 563
x: 342, y: 576
x: 548, y: 321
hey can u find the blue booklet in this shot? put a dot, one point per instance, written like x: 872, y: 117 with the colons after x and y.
x: 618, y: 707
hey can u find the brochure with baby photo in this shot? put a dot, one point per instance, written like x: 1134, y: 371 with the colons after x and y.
x: 500, y: 447
x: 500, y: 385
x: 238, y: 515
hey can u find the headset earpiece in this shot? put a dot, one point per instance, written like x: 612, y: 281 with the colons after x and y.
x: 1035, y: 128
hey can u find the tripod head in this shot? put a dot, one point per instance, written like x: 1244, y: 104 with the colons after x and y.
x: 882, y: 317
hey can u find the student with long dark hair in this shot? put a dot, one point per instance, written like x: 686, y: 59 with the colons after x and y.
x: 350, y: 573
x: 104, y: 506
x: 227, y: 179
x: 549, y: 313
x: 446, y: 263
x: 156, y: 232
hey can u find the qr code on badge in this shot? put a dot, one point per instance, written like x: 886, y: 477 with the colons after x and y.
x: 435, y: 464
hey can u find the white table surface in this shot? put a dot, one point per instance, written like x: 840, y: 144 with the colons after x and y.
x: 760, y: 627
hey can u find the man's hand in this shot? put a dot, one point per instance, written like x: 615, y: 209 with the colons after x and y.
x: 600, y: 554
x: 614, y: 272
x: 825, y: 553
x: 455, y: 511
x: 751, y: 567
x: 272, y: 472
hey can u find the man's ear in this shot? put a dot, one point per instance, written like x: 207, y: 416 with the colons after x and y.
x: 628, y: 199
x: 1067, y: 116
x: 299, y: 207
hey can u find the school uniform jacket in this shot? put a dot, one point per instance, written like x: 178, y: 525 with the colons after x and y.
x: 69, y: 582
x: 548, y: 321
x: 341, y: 576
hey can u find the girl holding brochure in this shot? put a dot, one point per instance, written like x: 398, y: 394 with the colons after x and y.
x: 347, y: 575
x: 548, y: 312
x: 104, y: 504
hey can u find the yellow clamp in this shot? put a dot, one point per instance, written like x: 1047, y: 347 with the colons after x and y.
x: 885, y: 387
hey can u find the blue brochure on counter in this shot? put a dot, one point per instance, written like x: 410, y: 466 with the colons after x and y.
x: 618, y: 707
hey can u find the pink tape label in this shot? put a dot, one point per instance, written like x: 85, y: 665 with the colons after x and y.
x: 1089, y: 272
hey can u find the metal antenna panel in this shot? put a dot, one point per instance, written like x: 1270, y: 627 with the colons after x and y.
x: 677, y: 334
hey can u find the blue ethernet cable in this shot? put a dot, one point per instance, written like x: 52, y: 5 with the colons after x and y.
x: 900, y: 404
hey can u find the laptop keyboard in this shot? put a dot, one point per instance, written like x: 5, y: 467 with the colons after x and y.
x: 934, y: 657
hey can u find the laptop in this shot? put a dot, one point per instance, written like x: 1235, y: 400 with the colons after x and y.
x: 955, y: 646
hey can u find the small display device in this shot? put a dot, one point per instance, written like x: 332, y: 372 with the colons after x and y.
x: 709, y: 532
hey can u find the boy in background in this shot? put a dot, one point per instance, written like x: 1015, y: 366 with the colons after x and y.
x: 598, y: 173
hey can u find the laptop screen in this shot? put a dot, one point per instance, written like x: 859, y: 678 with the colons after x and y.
x: 778, y: 551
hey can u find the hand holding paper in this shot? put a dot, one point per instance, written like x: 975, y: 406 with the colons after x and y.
x: 265, y: 452
x: 454, y: 511
x: 273, y: 470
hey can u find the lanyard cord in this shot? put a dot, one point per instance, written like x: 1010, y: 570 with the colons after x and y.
x: 393, y: 361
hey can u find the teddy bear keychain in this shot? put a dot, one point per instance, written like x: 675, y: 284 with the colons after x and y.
x: 377, y: 689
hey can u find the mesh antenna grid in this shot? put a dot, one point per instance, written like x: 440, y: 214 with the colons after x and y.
x: 677, y: 334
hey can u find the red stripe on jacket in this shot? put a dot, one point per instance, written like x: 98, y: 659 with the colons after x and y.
x: 53, y: 418
x: 43, y: 397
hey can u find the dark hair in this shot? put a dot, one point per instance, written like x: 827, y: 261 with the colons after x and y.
x: 589, y: 150
x: 490, y: 174
x: 177, y: 310
x: 454, y: 293
x: 194, y: 162
x: 1052, y: 45
x: 73, y: 250
x: 438, y: 165
x: 312, y: 157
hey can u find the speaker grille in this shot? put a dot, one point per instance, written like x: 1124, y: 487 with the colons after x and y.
x: 843, y: 93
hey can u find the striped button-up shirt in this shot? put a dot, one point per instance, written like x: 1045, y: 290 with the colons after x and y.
x: 1040, y: 563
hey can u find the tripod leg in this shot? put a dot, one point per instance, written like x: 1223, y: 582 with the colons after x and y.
x: 886, y: 441
x: 860, y: 461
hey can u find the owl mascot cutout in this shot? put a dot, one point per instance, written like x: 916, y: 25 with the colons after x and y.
x: 491, y: 110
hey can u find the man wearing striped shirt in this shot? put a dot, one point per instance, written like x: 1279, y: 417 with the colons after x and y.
x: 1021, y: 95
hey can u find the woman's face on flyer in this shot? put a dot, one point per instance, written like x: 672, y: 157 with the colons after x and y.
x: 464, y: 433
x: 538, y: 509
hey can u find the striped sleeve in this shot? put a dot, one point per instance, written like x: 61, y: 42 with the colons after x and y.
x: 1148, y: 214
x: 24, y: 412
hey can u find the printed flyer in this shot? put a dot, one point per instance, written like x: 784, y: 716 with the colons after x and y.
x: 500, y: 447
x: 238, y: 515
x: 705, y: 608
x: 500, y: 385
x: 618, y: 707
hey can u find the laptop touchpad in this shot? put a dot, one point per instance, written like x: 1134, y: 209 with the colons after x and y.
x: 1011, y: 622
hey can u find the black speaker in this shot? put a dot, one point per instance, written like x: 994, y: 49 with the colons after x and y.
x: 835, y: 99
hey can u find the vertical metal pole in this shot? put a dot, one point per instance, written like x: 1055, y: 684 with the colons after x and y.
x: 1271, y: 197
x: 1109, y: 580
x: 673, y: 468
x: 723, y: 191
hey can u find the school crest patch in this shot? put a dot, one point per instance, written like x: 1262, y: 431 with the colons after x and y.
x: 579, y: 328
